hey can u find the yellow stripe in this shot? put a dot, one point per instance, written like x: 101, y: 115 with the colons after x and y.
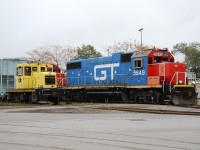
x: 20, y: 90
x: 183, y: 86
x: 144, y: 86
x: 122, y: 86
x: 93, y: 87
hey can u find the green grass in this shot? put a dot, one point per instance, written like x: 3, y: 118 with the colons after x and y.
x: 14, y: 104
x: 46, y: 104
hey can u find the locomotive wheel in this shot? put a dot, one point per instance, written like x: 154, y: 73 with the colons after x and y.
x: 55, y: 100
x: 133, y: 97
x: 177, y: 99
x: 125, y: 97
x: 159, y: 99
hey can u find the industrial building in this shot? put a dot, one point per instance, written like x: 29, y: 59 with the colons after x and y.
x: 8, y: 72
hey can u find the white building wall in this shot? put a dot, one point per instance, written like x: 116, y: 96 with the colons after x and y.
x: 8, y: 72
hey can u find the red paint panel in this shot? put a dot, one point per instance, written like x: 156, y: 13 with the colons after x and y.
x: 61, y: 80
x: 172, y: 76
x: 167, y: 71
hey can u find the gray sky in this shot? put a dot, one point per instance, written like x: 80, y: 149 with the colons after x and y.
x: 28, y: 24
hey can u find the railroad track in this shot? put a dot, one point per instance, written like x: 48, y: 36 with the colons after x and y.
x: 147, y: 110
x: 195, y: 106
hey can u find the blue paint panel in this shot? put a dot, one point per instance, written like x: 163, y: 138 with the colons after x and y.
x: 107, y: 71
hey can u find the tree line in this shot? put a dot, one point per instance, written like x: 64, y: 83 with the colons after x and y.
x: 59, y: 55
x: 191, y: 52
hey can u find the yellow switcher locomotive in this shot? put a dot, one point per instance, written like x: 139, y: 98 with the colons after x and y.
x: 36, y: 82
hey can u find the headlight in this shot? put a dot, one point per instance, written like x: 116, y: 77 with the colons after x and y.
x: 180, y: 82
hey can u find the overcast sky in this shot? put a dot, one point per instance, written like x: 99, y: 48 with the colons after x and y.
x: 28, y: 24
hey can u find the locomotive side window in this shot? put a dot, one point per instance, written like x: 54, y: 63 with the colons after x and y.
x: 42, y: 69
x: 76, y: 65
x: 165, y: 59
x: 19, y: 71
x: 49, y: 69
x: 126, y: 57
x: 27, y: 71
x: 138, y: 63
x: 149, y: 60
x: 157, y: 59
x: 50, y: 80
x: 34, y: 69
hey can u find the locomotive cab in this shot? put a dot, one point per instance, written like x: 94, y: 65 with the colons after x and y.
x: 161, y: 79
x: 31, y: 76
x: 175, y: 80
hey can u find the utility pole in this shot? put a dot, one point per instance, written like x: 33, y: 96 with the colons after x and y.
x: 141, y: 36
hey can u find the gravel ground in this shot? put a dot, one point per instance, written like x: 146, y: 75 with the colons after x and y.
x: 90, y: 109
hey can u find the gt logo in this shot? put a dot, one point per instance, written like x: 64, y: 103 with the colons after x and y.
x: 103, y: 72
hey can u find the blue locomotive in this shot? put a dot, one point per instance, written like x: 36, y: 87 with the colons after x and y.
x: 148, y: 76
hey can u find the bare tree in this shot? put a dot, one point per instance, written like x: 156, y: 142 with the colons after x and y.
x: 40, y: 54
x: 126, y: 46
x: 55, y: 54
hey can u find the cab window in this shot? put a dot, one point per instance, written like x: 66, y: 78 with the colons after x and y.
x: 34, y: 69
x: 149, y: 60
x: 27, y: 71
x: 42, y: 69
x: 19, y: 71
x: 49, y: 69
x: 138, y: 63
x: 157, y: 59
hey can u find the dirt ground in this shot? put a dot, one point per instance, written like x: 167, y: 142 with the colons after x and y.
x: 93, y: 108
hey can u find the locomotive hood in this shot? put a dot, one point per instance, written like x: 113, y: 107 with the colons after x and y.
x: 141, y: 53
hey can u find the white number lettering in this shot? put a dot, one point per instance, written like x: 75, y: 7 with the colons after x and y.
x: 138, y: 72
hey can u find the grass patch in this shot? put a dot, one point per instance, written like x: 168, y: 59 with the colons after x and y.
x: 14, y: 104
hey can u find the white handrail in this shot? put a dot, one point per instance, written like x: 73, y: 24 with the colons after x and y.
x: 191, y: 76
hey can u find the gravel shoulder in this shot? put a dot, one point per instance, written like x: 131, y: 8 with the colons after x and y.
x: 91, y: 108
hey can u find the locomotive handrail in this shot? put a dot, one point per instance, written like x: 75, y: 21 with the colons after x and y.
x: 188, y: 75
x: 89, y: 80
x: 61, y: 83
x: 176, y: 75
